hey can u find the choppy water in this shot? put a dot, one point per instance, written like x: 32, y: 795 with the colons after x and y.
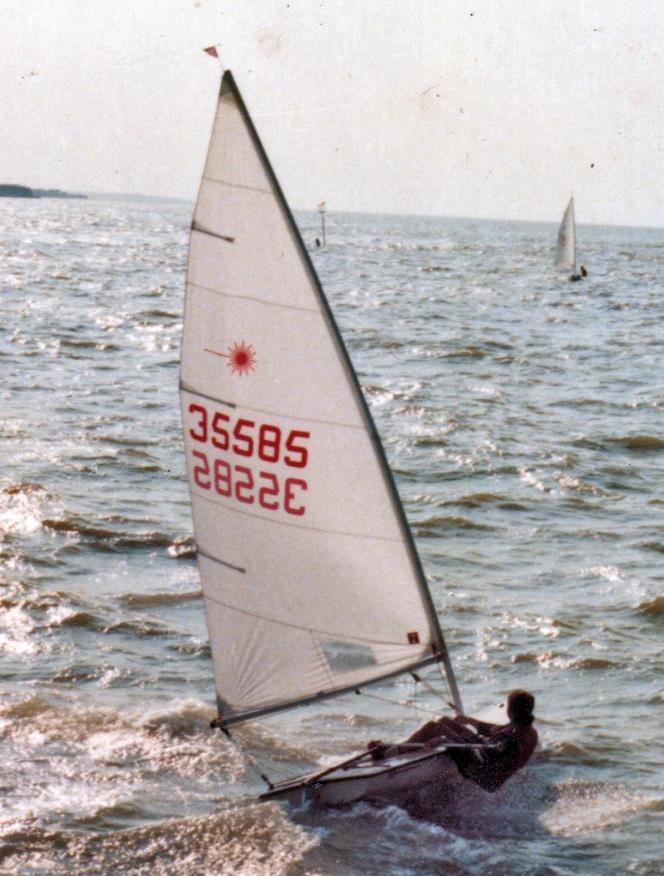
x: 523, y: 418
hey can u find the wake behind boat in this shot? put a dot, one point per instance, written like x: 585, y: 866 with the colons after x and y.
x: 311, y: 580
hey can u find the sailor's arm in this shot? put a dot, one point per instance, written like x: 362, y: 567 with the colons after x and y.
x: 482, y: 727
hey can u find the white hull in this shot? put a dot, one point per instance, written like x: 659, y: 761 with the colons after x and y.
x: 405, y: 780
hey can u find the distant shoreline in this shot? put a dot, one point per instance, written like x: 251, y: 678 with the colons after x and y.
x: 13, y: 190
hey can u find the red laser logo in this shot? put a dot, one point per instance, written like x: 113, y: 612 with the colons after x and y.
x: 241, y: 358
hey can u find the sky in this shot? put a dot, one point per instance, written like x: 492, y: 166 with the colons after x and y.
x: 485, y: 108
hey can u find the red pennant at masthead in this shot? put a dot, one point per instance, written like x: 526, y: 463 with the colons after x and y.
x: 212, y: 50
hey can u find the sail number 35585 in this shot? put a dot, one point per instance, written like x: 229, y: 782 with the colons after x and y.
x: 245, y: 438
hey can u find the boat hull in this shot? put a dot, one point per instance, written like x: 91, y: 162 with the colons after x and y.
x: 404, y: 781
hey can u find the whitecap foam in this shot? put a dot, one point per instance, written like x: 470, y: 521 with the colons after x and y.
x: 583, y: 808
x: 23, y: 507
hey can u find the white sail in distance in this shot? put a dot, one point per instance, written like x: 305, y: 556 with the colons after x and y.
x: 311, y: 582
x: 566, y: 245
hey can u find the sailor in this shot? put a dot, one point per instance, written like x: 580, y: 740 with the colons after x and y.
x: 580, y: 276
x: 509, y: 746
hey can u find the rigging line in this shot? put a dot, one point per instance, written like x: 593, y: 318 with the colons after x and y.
x: 244, y: 753
x: 419, y: 680
x: 406, y: 704
x: 429, y: 687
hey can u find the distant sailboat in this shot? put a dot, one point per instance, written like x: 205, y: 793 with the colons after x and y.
x: 566, y: 245
x: 311, y: 580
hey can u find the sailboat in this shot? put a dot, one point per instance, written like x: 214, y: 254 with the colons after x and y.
x: 566, y: 244
x: 312, y: 584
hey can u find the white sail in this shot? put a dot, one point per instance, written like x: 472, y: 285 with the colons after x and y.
x: 311, y: 582
x: 566, y: 247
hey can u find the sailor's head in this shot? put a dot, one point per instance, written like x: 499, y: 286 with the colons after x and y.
x: 520, y: 705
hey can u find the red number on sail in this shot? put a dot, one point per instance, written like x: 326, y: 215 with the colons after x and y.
x: 299, y: 460
x: 200, y: 433
x: 222, y: 477
x: 265, y: 492
x: 244, y: 444
x: 243, y: 489
x: 220, y: 437
x: 201, y: 472
x: 269, y: 440
x: 289, y: 498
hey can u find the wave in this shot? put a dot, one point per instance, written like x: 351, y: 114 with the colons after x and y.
x: 27, y: 709
x: 149, y: 599
x: 549, y: 658
x: 473, y: 500
x: 451, y: 522
x: 158, y: 314
x: 430, y: 441
x: 592, y: 663
x: 657, y: 546
x: 465, y: 353
x: 109, y: 539
x: 568, y: 753
x: 183, y: 548
x: 25, y: 612
x: 652, y: 607
x: 143, y: 628
x: 186, y: 718
x: 182, y: 719
x: 22, y: 506
x: 26, y: 488
x: 588, y: 444
x: 130, y: 442
x: 28, y: 616
x: 588, y: 807
x: 639, y: 442
x: 478, y: 500
x: 77, y: 344
x: 16, y: 593
x: 74, y: 618
x: 582, y: 403
x: 257, y: 839
x: 578, y: 486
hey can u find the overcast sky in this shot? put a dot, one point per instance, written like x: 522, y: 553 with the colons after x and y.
x: 494, y: 108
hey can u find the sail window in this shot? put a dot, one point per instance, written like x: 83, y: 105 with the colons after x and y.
x: 347, y: 656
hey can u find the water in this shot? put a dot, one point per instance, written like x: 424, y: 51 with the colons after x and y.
x: 523, y: 418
